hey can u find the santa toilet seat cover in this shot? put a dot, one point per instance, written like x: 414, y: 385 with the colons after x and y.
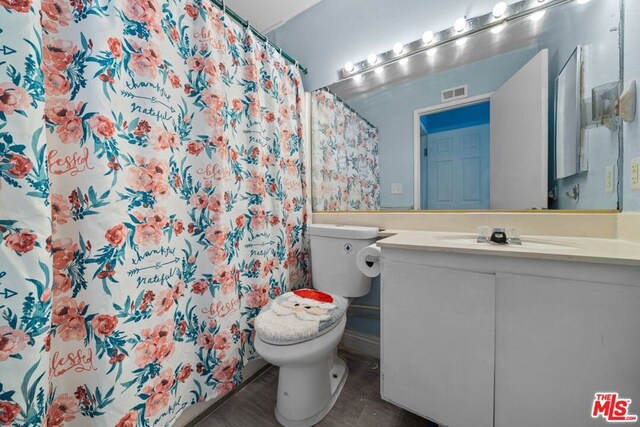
x: 298, y: 316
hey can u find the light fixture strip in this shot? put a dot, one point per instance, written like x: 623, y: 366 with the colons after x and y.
x: 475, y: 25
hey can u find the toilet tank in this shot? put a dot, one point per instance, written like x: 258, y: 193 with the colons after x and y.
x: 334, y: 249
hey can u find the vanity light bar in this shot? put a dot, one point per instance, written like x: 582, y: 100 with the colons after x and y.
x: 458, y: 31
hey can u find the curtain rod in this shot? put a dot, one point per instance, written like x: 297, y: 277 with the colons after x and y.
x: 221, y: 5
x: 349, y: 107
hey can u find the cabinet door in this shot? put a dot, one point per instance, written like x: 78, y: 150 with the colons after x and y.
x: 558, y: 342
x: 438, y: 343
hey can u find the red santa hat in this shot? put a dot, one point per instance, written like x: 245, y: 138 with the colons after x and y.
x: 314, y: 295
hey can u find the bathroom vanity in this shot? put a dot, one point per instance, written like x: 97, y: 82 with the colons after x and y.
x: 483, y: 335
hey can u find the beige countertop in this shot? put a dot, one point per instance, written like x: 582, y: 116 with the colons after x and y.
x: 580, y: 249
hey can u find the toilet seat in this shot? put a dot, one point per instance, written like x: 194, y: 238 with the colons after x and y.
x: 299, y: 316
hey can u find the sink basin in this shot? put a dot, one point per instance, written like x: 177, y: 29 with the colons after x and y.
x: 470, y: 239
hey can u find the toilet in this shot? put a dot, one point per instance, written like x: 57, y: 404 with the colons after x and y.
x: 299, y: 331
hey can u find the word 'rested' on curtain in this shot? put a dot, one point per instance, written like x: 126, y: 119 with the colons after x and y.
x: 346, y: 173
x: 152, y: 200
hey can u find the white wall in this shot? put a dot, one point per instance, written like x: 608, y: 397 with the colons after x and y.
x: 631, y: 131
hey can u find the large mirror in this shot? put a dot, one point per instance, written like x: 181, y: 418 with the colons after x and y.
x: 505, y: 118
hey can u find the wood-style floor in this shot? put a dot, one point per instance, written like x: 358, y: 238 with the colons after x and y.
x: 359, y: 403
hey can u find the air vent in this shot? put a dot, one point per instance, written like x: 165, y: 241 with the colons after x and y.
x: 454, y: 93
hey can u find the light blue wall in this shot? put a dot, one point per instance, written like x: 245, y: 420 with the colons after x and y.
x: 631, y: 199
x: 392, y: 112
x: 333, y: 32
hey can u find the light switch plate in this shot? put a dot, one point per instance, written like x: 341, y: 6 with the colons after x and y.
x: 610, y: 180
x: 396, y: 188
x: 635, y: 173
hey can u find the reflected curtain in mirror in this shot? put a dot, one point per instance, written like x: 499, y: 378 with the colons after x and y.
x: 346, y: 174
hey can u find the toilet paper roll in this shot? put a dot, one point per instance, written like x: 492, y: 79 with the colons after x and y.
x: 368, y: 260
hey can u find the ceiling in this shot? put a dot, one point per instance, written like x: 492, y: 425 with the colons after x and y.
x: 268, y: 15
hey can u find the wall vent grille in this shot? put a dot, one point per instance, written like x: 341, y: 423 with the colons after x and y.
x: 455, y: 93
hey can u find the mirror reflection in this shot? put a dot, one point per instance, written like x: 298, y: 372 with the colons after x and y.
x: 520, y: 116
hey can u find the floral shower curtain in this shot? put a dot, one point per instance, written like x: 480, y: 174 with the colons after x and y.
x: 346, y: 175
x: 152, y: 200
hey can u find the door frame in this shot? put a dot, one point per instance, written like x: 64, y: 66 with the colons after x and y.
x: 416, y: 134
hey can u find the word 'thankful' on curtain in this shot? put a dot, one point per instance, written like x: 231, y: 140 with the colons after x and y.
x: 152, y: 200
x: 345, y: 169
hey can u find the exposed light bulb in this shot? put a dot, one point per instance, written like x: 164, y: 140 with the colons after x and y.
x: 498, y: 28
x: 537, y: 16
x: 462, y: 41
x: 404, y: 61
x: 398, y: 48
x: 499, y: 9
x: 372, y: 58
x: 348, y: 67
x: 432, y: 51
x: 379, y: 70
x: 460, y: 24
x: 427, y: 37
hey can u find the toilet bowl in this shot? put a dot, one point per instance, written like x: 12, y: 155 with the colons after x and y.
x: 299, y: 331
x: 310, y: 379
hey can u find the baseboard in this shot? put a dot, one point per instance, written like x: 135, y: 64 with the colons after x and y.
x: 361, y: 343
x: 217, y: 403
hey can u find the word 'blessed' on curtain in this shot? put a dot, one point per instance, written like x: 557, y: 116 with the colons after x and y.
x: 152, y: 200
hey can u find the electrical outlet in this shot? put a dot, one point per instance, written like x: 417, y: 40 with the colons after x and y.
x: 609, y: 179
x: 635, y: 174
x: 396, y: 188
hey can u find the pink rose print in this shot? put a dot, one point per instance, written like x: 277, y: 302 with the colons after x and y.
x: 184, y: 373
x: 217, y: 254
x: 258, y: 218
x: 55, y: 13
x: 115, y: 47
x: 102, y: 126
x: 225, y: 370
x: 21, y: 242
x: 158, y: 344
x: 145, y: 62
x: 164, y: 302
x: 104, y: 324
x: 222, y: 341
x: 70, y: 131
x: 199, y: 287
x: 227, y: 280
x: 63, y: 252
x: 116, y: 235
x: 163, y: 140
x: 150, y: 177
x: 199, y: 200
x: 205, y: 340
x: 60, y: 209
x: 17, y: 5
x: 66, y: 314
x: 256, y: 184
x: 61, y: 283
x: 130, y: 419
x: 63, y: 409
x: 258, y: 297
x: 12, y: 342
x: 20, y: 166
x: 13, y: 98
x: 156, y: 402
x: 9, y: 411
x: 144, y: 11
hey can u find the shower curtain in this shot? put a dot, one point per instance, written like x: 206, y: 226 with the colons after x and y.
x: 346, y: 174
x: 152, y: 200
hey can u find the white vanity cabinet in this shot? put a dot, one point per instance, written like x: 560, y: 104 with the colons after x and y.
x: 481, y: 341
x: 438, y: 342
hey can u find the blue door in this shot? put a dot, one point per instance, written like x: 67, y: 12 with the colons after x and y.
x: 458, y: 169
